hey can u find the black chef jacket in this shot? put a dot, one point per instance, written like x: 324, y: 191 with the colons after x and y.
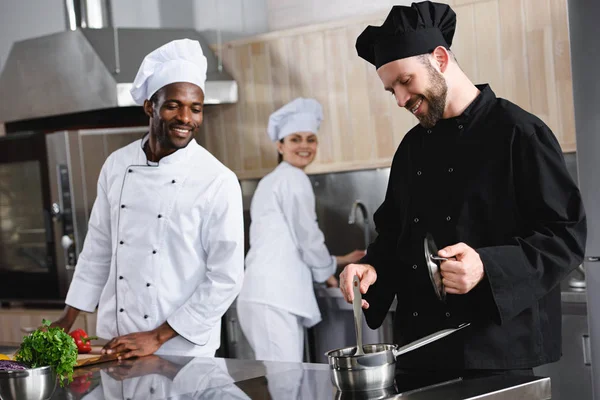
x: 495, y: 179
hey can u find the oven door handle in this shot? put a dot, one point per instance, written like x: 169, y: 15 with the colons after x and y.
x: 49, y: 228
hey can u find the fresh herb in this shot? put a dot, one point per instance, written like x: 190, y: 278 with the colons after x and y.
x: 49, y: 346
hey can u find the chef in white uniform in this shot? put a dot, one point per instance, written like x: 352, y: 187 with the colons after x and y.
x: 287, y: 250
x: 163, y: 256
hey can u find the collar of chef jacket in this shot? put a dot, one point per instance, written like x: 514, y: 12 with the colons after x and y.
x: 478, y: 109
x: 178, y: 156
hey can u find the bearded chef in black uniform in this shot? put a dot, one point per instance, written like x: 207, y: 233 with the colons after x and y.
x: 488, y: 181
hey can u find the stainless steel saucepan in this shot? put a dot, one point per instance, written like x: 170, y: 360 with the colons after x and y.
x: 376, y: 369
x: 372, y: 366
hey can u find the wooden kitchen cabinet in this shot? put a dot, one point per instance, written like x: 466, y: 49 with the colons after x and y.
x: 520, y: 47
x: 18, y: 322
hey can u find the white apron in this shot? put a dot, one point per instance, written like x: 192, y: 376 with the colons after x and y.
x: 273, y: 334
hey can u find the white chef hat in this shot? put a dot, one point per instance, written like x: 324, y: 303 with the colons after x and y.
x: 299, y: 115
x: 177, y: 61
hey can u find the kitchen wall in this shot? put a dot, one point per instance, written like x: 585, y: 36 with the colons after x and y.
x: 24, y: 19
x: 284, y: 14
x: 137, y: 13
x: 521, y: 49
x: 234, y: 18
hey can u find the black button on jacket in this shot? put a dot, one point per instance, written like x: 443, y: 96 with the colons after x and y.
x: 510, y: 197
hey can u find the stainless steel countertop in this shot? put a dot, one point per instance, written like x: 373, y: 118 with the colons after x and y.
x: 161, y: 377
x: 491, y: 388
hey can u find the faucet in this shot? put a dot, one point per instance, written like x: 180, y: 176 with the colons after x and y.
x: 359, y: 205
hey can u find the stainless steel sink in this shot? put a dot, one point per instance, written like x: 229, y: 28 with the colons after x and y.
x: 571, y: 294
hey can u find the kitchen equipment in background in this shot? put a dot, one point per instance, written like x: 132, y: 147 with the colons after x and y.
x: 29, y: 240
x: 359, y: 205
x: 583, y: 29
x: 369, y: 186
x: 357, y: 306
x: 376, y: 368
x: 89, y: 68
x: 578, y: 282
x: 47, y: 189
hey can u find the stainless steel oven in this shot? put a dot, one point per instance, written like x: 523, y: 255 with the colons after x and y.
x: 47, y: 189
x: 33, y: 219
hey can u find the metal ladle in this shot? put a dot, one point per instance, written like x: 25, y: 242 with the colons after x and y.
x: 357, y: 306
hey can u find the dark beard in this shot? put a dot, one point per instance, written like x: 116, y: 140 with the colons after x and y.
x: 436, y: 98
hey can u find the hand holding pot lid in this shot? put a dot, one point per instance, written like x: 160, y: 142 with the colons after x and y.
x: 460, y: 276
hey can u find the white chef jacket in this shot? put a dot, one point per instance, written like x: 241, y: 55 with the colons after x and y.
x: 164, y: 243
x: 287, y: 248
x: 200, y: 378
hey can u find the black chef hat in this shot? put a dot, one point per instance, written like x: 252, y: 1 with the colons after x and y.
x: 407, y: 32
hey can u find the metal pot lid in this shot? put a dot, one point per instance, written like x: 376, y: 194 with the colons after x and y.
x: 432, y: 261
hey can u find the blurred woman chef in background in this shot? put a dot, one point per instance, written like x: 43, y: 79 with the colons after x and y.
x: 287, y: 250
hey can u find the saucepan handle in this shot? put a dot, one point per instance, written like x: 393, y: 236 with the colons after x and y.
x: 427, y: 339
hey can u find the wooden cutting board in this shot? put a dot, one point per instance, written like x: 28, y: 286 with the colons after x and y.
x: 94, y: 357
x: 91, y: 358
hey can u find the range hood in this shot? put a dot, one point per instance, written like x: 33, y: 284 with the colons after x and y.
x: 88, y: 69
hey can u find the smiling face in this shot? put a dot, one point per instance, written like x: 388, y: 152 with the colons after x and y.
x: 299, y: 149
x: 175, y: 113
x: 417, y: 86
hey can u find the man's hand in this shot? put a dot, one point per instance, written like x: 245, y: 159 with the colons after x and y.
x: 61, y: 323
x: 367, y: 275
x: 67, y: 319
x: 462, y: 275
x: 332, y: 282
x: 139, y: 344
